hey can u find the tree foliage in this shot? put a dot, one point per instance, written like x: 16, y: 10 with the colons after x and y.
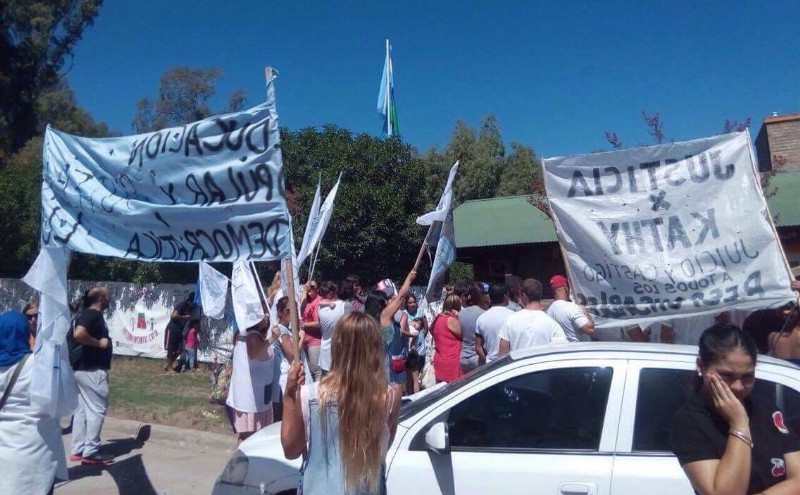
x: 183, y: 97
x: 36, y: 38
x: 372, y: 231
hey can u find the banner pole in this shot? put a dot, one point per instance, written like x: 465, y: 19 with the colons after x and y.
x: 422, y: 249
x: 295, y: 321
x: 313, y: 265
x: 260, y: 286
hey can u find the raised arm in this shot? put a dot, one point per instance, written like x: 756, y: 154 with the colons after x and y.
x: 396, y: 302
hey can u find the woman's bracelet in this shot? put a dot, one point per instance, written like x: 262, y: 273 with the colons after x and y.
x: 741, y: 436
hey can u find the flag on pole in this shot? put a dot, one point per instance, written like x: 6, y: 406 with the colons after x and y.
x: 311, y: 226
x: 212, y: 291
x: 442, y: 234
x: 445, y: 201
x: 445, y: 256
x: 386, y: 105
x: 247, y: 307
x: 325, y: 213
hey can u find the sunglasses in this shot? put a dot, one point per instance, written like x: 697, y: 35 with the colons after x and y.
x: 30, y: 317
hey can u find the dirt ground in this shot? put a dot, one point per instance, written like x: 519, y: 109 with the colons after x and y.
x: 141, y: 391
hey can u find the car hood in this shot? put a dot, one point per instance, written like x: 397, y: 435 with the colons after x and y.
x: 267, y: 464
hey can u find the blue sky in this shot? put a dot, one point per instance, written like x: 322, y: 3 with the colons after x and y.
x: 556, y: 74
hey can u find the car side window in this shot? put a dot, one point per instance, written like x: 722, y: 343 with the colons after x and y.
x: 661, y: 393
x: 559, y: 409
x: 784, y: 398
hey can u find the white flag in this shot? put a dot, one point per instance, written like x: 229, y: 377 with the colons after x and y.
x: 311, y: 226
x: 325, y: 213
x: 213, y: 291
x: 247, y: 306
x: 440, y: 213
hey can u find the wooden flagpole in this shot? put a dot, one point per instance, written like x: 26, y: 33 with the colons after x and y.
x: 424, y: 245
x: 295, y: 320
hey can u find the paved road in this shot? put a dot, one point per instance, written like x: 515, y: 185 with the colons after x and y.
x: 172, y: 461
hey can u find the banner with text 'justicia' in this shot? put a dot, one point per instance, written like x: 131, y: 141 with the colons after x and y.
x: 660, y: 232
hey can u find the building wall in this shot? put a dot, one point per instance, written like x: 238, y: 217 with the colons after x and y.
x: 778, y: 142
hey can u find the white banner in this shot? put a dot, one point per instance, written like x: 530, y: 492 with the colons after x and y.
x: 213, y: 290
x: 211, y: 190
x: 311, y: 227
x: 666, y: 231
x: 325, y: 213
x: 445, y: 201
x: 137, y: 316
x: 247, y: 305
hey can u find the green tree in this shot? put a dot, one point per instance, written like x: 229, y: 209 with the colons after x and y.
x: 183, y: 97
x: 21, y: 178
x: 521, y: 168
x: 36, y: 38
x: 372, y: 231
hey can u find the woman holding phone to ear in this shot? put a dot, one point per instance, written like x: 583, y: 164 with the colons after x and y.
x: 728, y: 440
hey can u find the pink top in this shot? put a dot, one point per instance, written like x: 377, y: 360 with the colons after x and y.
x: 310, y: 313
x: 447, y: 355
x: 191, y: 338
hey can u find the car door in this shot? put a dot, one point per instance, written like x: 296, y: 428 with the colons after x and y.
x: 546, y: 428
x: 644, y: 462
x: 653, y: 393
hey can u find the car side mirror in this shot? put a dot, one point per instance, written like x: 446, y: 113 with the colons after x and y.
x: 437, y: 439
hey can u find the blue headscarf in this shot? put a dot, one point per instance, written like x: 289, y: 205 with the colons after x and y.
x: 13, y: 337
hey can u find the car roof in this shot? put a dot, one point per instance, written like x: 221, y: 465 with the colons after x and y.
x: 637, y: 348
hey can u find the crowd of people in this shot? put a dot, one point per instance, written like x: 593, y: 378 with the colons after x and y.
x: 361, y: 350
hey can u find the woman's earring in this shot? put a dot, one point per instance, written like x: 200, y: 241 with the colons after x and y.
x: 699, y: 373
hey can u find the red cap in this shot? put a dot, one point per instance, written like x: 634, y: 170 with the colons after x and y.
x: 557, y: 281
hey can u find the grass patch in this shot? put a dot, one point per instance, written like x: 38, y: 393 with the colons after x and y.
x: 141, y: 391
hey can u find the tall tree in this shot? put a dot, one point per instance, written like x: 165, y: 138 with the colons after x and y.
x: 372, y: 231
x: 36, y: 39
x: 183, y: 97
x: 521, y: 168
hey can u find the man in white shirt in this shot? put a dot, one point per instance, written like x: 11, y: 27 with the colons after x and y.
x: 487, y: 328
x: 573, y: 319
x: 687, y: 330
x: 529, y: 326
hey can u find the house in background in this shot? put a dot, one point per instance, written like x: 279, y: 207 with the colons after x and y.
x: 778, y: 143
x: 509, y: 235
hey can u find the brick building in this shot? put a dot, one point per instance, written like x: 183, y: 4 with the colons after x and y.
x: 778, y: 142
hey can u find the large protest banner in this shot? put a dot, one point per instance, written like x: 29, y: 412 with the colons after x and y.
x: 656, y: 232
x: 211, y: 190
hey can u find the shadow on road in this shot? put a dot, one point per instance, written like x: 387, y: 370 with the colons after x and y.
x: 129, y: 474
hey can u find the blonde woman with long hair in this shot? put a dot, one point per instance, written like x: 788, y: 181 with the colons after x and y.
x: 346, y: 422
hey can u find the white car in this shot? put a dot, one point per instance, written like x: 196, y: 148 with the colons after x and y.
x: 582, y: 418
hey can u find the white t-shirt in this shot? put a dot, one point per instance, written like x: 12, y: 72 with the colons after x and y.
x: 615, y: 334
x: 488, y: 327
x: 529, y: 327
x: 571, y: 318
x: 327, y: 320
x: 688, y: 330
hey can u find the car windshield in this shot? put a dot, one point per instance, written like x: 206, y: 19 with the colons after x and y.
x: 411, y: 408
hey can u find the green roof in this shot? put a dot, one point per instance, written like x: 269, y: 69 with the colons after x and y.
x: 501, y: 221
x: 514, y: 220
x: 785, y: 203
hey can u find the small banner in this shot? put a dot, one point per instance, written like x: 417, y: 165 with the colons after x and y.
x: 665, y: 231
x: 211, y: 190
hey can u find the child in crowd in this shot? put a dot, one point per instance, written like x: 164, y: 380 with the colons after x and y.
x: 190, y: 345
